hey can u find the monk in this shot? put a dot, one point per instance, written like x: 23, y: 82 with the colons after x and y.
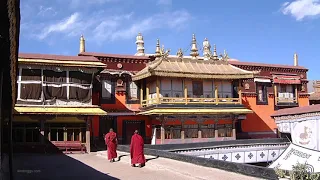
x: 136, y: 150
x: 111, y: 145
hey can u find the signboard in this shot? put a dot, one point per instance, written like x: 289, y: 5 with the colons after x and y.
x: 286, y: 79
x: 296, y: 154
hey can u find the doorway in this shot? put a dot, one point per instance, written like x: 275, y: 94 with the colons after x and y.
x: 105, y: 123
x: 129, y: 126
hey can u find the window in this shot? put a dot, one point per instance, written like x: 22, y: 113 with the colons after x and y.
x: 55, y: 84
x: 208, y: 131
x: 173, y: 132
x: 26, y: 132
x: 191, y: 131
x: 80, y: 86
x: 39, y: 85
x: 286, y: 93
x: 197, y: 87
x: 107, y: 91
x: 262, y: 96
x: 224, y: 89
x: 29, y: 84
x: 224, y: 130
x: 133, y: 93
x: 208, y: 89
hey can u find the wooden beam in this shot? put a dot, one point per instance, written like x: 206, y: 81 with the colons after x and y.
x: 147, y: 94
x: 240, y: 92
x: 275, y: 94
x: 158, y: 90
x: 185, y: 91
x: 296, y: 93
x: 141, y: 92
x: 216, y: 92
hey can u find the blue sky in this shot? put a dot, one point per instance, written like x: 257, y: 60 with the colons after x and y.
x: 267, y: 31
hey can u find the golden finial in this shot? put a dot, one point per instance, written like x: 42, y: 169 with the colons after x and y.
x: 215, y: 55
x: 82, y: 44
x: 158, y: 50
x: 194, y: 50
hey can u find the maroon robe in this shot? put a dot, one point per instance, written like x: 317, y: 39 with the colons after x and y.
x: 111, y: 143
x: 136, y: 150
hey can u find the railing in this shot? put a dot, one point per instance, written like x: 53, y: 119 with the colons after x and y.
x: 173, y: 100
x: 286, y: 100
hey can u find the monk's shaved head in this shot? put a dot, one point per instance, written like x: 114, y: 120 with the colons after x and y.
x: 111, y: 130
x: 136, y: 132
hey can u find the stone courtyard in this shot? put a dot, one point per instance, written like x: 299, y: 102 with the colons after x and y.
x: 95, y: 166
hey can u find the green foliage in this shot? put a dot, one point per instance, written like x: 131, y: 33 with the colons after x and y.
x: 299, y: 172
x: 281, y: 173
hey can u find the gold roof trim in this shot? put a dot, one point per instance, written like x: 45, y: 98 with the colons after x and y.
x: 192, y: 68
x: 62, y: 63
x: 59, y: 110
x: 195, y: 111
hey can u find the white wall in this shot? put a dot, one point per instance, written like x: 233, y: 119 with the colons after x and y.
x: 304, y: 131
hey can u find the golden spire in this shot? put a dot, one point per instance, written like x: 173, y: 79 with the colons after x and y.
x: 215, y: 55
x: 194, y: 50
x: 82, y: 44
x: 158, y: 50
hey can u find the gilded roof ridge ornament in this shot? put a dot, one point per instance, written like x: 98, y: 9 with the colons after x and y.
x: 225, y: 56
x: 194, y: 50
x: 180, y: 53
x: 164, y: 53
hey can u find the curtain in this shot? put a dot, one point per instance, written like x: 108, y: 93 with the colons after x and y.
x: 31, y: 90
x: 55, y: 84
x: 31, y: 75
x: 80, y: 86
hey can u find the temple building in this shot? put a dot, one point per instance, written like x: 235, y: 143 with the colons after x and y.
x: 191, y: 98
x: 179, y: 98
x: 54, y: 100
x: 314, y: 92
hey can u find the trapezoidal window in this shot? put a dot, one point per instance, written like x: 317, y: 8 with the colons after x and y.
x: 262, y: 95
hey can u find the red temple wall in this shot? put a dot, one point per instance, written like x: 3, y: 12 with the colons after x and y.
x: 260, y: 120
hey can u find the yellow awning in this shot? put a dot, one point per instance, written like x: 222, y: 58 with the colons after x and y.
x: 195, y: 111
x: 60, y: 110
x: 62, y: 63
x: 58, y: 119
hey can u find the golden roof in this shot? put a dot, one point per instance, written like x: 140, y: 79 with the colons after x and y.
x: 192, y: 68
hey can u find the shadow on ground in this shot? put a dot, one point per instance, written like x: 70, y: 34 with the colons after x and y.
x: 53, y: 167
x: 47, y: 162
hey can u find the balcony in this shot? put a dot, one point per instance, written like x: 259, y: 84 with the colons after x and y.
x: 187, y: 101
x: 286, y: 99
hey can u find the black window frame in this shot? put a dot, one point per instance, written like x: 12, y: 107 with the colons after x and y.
x: 265, y: 93
x: 128, y: 98
x: 112, y: 99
